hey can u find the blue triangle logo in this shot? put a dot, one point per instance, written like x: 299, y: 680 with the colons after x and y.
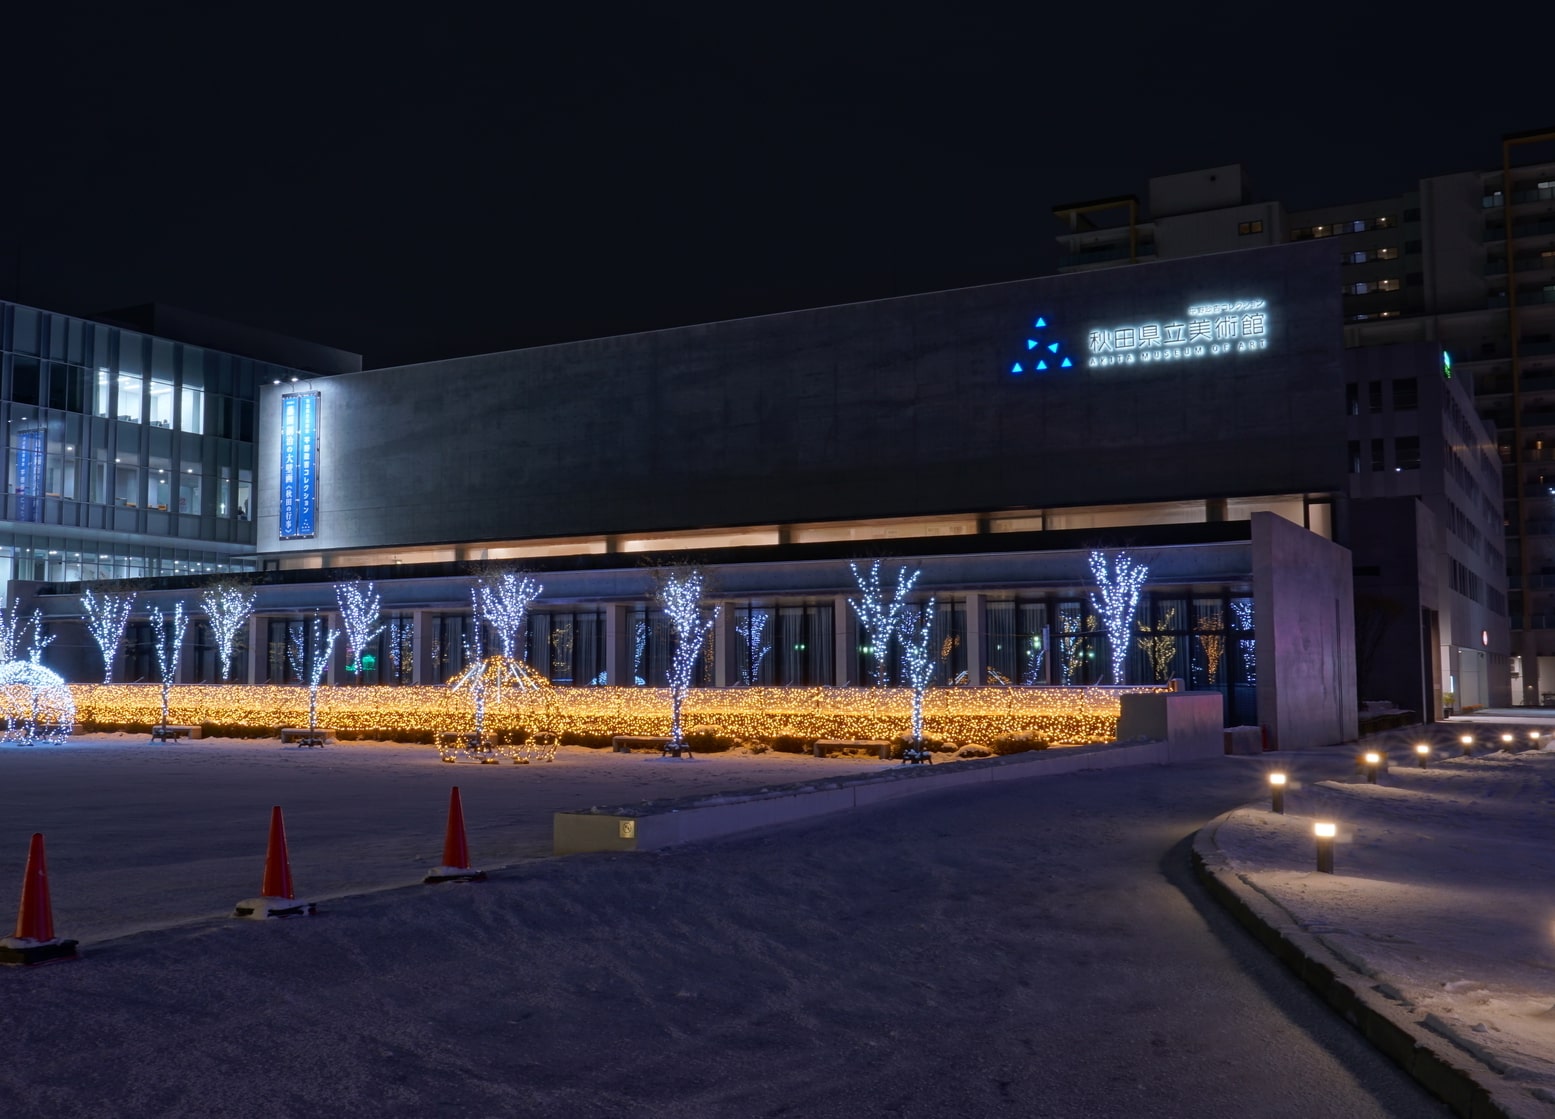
x: 1054, y: 351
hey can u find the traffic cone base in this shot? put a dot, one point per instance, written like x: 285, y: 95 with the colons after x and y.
x: 15, y: 951
x: 454, y: 874
x: 260, y: 908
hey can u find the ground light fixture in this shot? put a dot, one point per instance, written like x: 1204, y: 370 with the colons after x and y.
x: 1277, y: 792
x: 1422, y: 754
x: 1506, y: 740
x: 1373, y: 762
x: 1468, y: 744
x: 1533, y: 736
x: 1325, y: 832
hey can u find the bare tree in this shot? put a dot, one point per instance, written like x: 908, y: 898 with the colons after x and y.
x: 359, y: 609
x: 106, y: 618
x: 680, y: 593
x: 228, y: 606
x: 880, y: 616
x: 169, y: 630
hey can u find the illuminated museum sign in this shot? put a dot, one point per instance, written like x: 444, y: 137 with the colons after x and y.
x: 299, y: 464
x: 1207, y: 330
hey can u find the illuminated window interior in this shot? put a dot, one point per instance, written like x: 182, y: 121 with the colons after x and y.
x: 1293, y: 507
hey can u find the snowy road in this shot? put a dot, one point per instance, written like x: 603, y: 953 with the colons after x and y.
x: 1033, y: 949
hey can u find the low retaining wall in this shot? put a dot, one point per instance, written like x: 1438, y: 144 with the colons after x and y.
x: 657, y: 824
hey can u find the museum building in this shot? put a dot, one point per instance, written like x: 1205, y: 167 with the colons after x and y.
x: 1318, y: 521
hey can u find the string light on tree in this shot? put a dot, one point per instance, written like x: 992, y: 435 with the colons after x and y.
x: 752, y: 629
x: 309, y: 653
x: 106, y: 618
x: 1119, y: 600
x: 880, y: 616
x: 1242, y: 608
x: 168, y: 634
x: 37, y: 705
x: 681, y: 596
x: 504, y: 603
x: 228, y: 606
x: 918, y: 660
x: 359, y: 609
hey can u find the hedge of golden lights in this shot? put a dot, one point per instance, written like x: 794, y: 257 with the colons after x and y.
x: 750, y: 714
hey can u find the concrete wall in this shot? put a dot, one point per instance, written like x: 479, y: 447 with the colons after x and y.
x: 1190, y: 723
x: 896, y: 407
x: 1304, y: 618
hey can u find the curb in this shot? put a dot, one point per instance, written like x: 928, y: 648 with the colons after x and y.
x: 1470, y: 1088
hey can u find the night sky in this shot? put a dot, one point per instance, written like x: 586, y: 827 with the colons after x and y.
x: 474, y: 182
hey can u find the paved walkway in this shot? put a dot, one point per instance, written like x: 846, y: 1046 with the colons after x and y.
x: 1034, y: 949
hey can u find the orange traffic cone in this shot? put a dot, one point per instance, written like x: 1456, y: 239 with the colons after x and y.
x: 279, y: 899
x: 456, y: 849
x: 35, y: 942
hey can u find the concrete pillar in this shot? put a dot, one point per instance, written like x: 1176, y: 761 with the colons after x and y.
x: 976, y: 640
x: 843, y: 658
x: 618, y: 645
x: 258, y: 654
x: 423, y: 670
x: 726, y: 665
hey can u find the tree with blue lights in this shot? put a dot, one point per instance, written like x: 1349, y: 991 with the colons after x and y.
x: 359, y: 609
x: 680, y: 593
x: 106, y: 618
x: 918, y: 659
x: 168, y: 633
x: 1119, y: 599
x: 880, y: 616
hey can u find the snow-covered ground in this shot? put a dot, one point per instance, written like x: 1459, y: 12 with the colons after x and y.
x: 1443, y: 890
x: 142, y: 836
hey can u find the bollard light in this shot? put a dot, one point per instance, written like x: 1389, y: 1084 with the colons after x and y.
x: 1533, y: 736
x: 1506, y: 741
x: 1422, y: 754
x: 1325, y: 832
x: 1277, y: 792
x: 1373, y: 760
x: 1468, y: 744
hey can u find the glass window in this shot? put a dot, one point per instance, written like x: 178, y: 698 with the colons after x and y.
x: 130, y: 397
x: 226, y: 504
x: 245, y: 494
x: 25, y: 337
x: 1376, y: 454
x: 190, y: 488
x: 1352, y: 399
x: 67, y: 387
x: 100, y: 387
x: 99, y: 477
x: 62, y: 473
x: 1355, y: 457
x: 24, y: 380
x: 1406, y: 394
x: 1374, y: 396
x: 26, y: 471
x: 1407, y: 452
x: 191, y: 403
x: 161, y: 401
x: 126, y: 484
x: 161, y: 483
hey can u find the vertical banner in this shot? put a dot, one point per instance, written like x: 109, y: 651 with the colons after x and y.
x: 29, y: 475
x: 299, y: 465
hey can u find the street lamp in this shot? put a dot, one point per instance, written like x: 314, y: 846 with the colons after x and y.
x: 1324, y: 832
x: 1422, y: 754
x: 1277, y: 792
x: 1373, y: 760
x: 1468, y: 744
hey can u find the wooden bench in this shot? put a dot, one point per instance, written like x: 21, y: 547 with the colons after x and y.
x: 826, y: 746
x: 626, y: 743
x: 303, y: 736
x: 172, y: 733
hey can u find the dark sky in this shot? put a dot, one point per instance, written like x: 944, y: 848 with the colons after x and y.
x: 468, y: 181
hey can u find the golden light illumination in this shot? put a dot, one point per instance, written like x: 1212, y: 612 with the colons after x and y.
x: 1422, y: 748
x: 1372, y: 758
x: 951, y: 714
x: 1467, y: 739
x: 1507, y: 737
x: 1324, y: 830
x: 1276, y: 779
